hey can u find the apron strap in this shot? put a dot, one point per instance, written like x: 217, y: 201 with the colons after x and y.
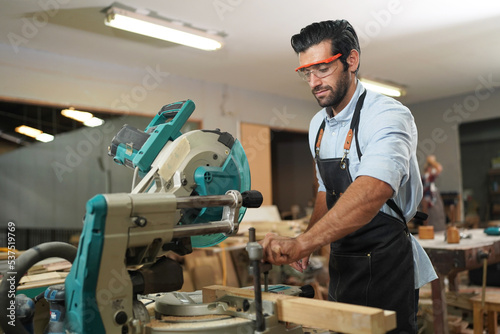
x: 355, y: 124
x: 347, y: 145
x: 319, y: 136
x: 390, y: 202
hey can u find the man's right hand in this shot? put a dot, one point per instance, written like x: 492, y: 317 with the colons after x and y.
x: 301, y: 264
x: 280, y: 250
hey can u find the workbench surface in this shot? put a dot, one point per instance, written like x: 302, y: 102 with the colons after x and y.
x: 478, y: 239
x: 448, y: 258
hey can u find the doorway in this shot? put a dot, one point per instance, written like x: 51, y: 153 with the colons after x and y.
x: 479, y: 144
x: 293, y: 173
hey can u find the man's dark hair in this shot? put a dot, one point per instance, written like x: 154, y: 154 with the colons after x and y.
x: 339, y: 32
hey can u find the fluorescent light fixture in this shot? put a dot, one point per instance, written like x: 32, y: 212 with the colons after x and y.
x: 82, y: 116
x: 45, y: 137
x: 93, y: 122
x: 28, y: 131
x: 34, y: 133
x: 383, y: 88
x: 161, y: 28
x: 77, y: 115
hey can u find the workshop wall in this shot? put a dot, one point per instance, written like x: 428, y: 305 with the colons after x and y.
x: 438, y: 126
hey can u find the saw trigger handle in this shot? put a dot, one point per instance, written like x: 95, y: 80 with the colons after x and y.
x: 252, y: 199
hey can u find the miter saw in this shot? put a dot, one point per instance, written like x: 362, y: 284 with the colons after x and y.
x: 194, y: 191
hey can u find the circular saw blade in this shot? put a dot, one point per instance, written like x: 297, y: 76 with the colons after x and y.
x: 203, y: 163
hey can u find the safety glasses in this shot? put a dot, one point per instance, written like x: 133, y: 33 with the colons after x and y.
x: 320, y: 69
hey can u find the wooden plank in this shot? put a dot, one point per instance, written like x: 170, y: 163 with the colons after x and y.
x: 42, y: 277
x: 48, y: 267
x: 390, y: 320
x: 478, y: 317
x: 491, y: 300
x: 333, y: 316
x: 41, y: 280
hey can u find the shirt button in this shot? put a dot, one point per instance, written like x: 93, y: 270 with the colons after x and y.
x: 333, y: 133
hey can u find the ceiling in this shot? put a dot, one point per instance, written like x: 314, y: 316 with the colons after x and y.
x: 434, y: 48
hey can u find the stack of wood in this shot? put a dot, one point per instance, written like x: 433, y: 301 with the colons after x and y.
x: 45, y: 273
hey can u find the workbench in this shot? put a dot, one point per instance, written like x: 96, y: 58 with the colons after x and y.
x: 450, y: 259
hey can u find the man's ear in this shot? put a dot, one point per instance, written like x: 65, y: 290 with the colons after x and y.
x: 353, y: 60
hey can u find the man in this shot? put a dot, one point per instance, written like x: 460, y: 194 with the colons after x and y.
x: 365, y: 146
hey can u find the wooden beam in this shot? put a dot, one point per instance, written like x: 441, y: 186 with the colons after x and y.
x: 340, y: 317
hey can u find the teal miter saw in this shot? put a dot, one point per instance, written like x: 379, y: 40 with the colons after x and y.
x: 193, y: 192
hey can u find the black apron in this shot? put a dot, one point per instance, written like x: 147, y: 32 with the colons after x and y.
x: 372, y: 266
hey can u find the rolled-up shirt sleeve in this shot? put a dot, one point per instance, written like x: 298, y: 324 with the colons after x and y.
x: 386, y: 156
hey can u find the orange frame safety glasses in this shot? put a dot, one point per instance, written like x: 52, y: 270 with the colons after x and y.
x: 325, y: 61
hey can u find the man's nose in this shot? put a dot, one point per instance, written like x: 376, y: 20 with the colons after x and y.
x: 314, y: 81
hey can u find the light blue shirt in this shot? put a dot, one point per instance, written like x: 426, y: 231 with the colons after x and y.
x: 388, y: 142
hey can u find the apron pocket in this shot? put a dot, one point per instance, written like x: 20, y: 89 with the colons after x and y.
x: 350, y: 278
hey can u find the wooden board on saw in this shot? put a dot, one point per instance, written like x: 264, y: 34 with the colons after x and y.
x: 340, y: 317
x: 286, y: 228
x: 41, y: 280
x: 50, y: 266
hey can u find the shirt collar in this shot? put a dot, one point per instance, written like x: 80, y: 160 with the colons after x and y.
x: 346, y: 113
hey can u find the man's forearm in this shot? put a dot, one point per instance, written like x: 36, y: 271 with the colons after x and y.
x: 320, y: 209
x: 355, y: 208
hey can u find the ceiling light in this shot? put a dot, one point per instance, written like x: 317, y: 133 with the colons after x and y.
x: 82, y: 116
x: 28, y: 131
x: 93, y: 122
x: 161, y: 28
x: 44, y: 137
x: 383, y: 88
x: 77, y: 115
x: 34, y: 133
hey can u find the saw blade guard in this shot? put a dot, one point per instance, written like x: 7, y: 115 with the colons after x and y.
x: 233, y: 175
x: 203, y: 163
x: 196, y: 163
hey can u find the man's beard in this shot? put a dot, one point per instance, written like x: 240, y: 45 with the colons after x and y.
x: 335, y: 98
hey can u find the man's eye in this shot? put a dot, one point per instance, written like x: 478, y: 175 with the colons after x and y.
x: 323, y: 69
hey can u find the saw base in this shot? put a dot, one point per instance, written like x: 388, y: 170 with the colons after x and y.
x: 180, y: 312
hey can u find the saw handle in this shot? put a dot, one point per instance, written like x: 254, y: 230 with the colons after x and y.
x: 252, y: 199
